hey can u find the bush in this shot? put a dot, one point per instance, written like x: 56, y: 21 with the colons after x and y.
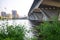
x: 49, y: 30
x: 12, y: 33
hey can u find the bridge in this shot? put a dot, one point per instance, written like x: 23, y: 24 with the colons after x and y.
x: 44, y: 10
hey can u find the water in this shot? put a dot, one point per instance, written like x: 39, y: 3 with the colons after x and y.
x: 26, y: 24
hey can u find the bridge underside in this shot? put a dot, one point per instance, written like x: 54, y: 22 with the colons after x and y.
x: 47, y: 11
x: 51, y: 2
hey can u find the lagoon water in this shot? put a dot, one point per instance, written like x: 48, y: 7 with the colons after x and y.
x: 25, y: 22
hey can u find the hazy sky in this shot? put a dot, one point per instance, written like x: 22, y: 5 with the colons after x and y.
x: 22, y: 6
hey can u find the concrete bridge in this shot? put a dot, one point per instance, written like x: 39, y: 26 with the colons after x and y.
x: 44, y: 10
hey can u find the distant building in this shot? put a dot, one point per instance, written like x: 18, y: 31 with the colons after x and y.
x: 14, y: 14
x: 9, y: 16
x: 3, y: 14
x: 17, y: 15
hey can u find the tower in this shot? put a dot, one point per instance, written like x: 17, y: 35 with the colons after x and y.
x: 14, y: 14
x: 3, y: 14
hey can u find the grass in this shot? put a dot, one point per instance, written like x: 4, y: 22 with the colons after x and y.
x: 46, y: 31
x: 49, y: 30
x: 12, y: 33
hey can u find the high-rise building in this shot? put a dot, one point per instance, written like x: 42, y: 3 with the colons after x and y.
x: 3, y: 14
x: 14, y: 14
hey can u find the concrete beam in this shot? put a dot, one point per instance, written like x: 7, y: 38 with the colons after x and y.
x: 38, y: 4
x: 37, y: 10
x: 50, y: 2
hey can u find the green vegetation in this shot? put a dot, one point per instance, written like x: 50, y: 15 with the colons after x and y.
x: 0, y: 17
x: 49, y: 30
x: 12, y: 33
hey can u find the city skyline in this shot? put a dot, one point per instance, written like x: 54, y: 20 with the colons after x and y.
x: 11, y: 13
x: 9, y: 16
x: 22, y: 6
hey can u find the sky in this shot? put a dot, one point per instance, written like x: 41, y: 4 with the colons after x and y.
x: 22, y: 6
